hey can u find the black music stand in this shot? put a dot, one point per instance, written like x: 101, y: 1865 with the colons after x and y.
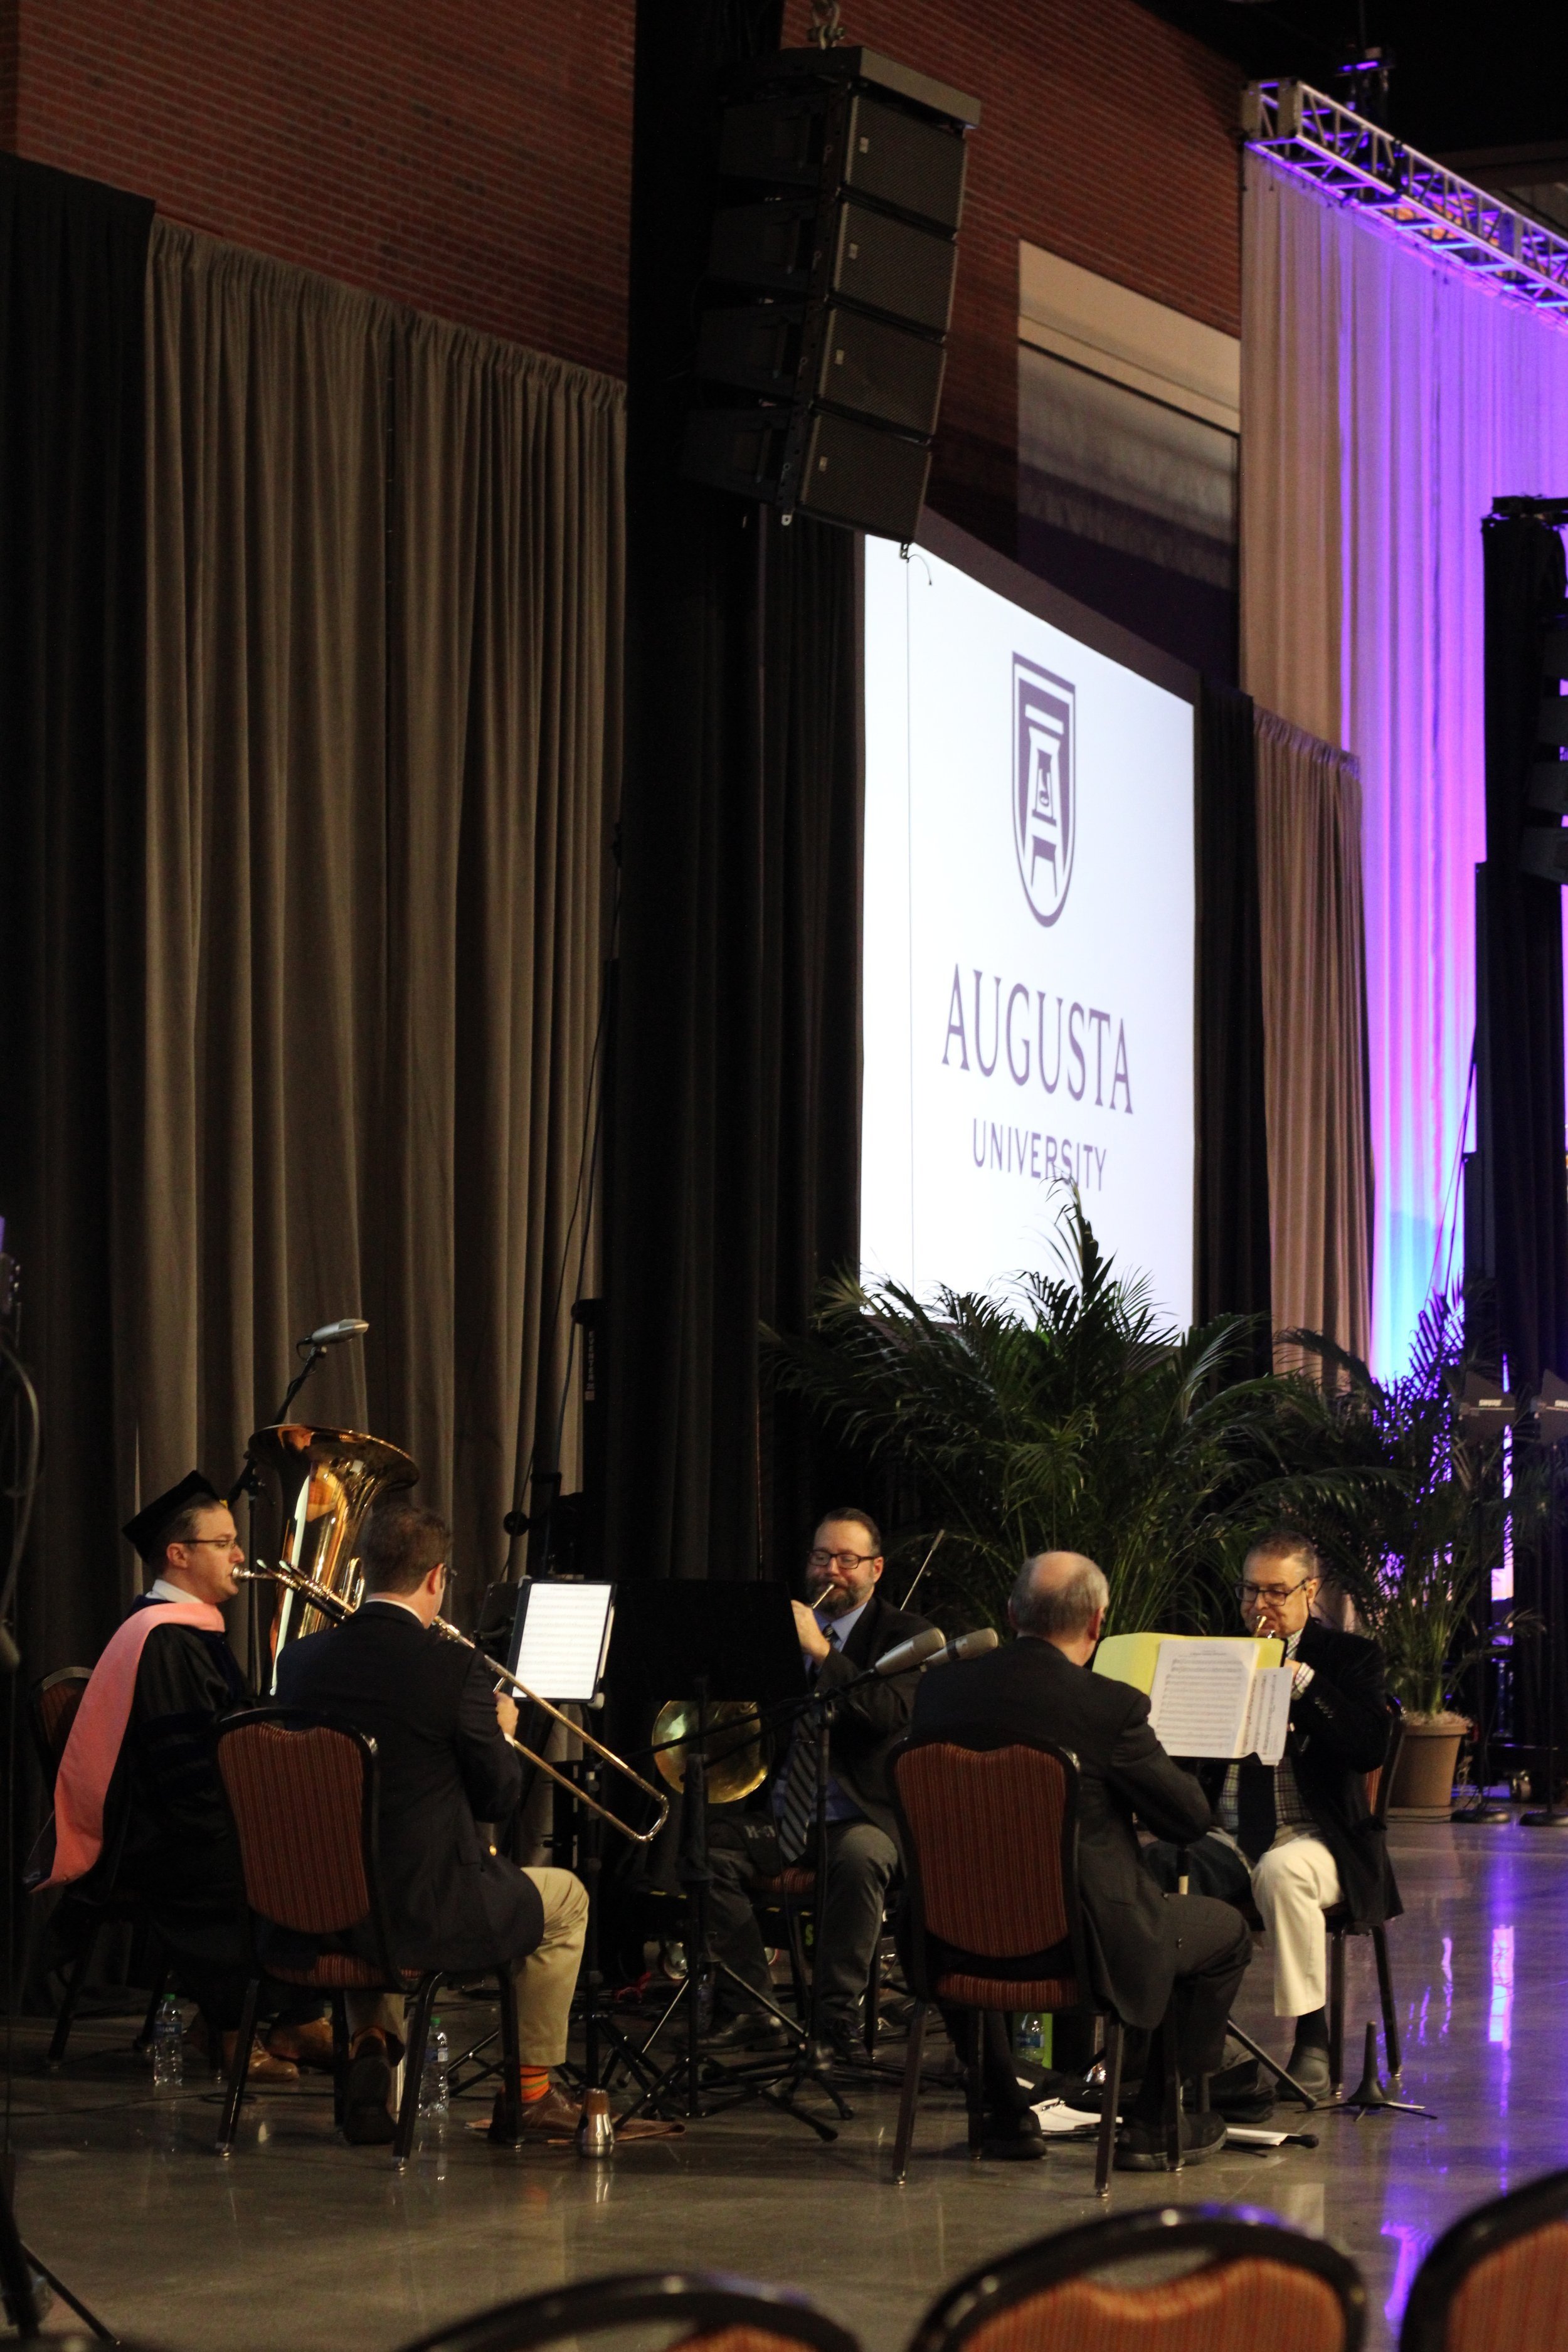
x: 705, y: 1641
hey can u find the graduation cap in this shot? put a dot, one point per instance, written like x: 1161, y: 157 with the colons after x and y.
x: 146, y: 1530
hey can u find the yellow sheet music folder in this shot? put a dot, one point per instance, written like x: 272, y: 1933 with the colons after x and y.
x: 1133, y: 1657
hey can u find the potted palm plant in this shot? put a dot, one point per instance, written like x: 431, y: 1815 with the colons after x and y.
x: 1413, y: 1528
x: 1066, y: 1414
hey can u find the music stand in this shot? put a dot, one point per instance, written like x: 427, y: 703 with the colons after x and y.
x: 705, y: 1641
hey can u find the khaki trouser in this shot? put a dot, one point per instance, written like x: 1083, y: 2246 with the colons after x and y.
x: 1293, y: 1884
x: 542, y: 1984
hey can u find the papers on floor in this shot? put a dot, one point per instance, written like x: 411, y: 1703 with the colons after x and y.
x: 1057, y: 2120
x: 1209, y: 1696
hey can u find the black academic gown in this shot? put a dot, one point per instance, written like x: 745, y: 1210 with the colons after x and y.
x: 169, y: 1840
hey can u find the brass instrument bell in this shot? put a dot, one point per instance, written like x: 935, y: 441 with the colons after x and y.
x: 327, y: 1481
x: 733, y: 1745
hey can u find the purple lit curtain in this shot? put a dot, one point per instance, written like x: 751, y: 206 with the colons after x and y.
x: 1387, y: 400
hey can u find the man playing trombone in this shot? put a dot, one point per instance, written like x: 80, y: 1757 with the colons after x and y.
x: 441, y: 1732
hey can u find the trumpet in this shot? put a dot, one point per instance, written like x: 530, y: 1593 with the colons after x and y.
x: 333, y: 1605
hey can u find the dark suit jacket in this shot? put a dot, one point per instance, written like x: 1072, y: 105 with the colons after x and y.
x: 1340, y: 1727
x: 429, y: 1706
x: 1028, y: 1690
x: 866, y: 1722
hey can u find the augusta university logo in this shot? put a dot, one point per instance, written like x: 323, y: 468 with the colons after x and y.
x: 1045, y: 785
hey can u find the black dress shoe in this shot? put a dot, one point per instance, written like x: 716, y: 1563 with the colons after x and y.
x: 368, y: 2120
x: 1141, y: 2146
x: 752, y: 2029
x: 1308, y: 2063
x: 1012, y: 2139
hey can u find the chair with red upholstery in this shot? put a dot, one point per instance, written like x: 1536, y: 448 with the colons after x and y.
x: 1338, y: 1923
x: 1497, y: 2281
x: 53, y: 1707
x: 304, y: 1794
x: 991, y: 1918
x: 674, y: 2311
x: 55, y: 1701
x: 1234, y: 2283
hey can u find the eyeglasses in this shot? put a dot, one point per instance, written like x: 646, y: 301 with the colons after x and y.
x: 1261, y: 1592
x: 224, y: 1543
x: 838, y: 1558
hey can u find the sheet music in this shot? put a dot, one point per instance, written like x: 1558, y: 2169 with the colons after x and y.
x: 1199, y: 1701
x: 563, y: 1632
x: 1268, y: 1715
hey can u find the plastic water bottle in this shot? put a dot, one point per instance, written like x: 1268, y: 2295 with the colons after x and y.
x: 435, y: 2098
x: 168, y: 2046
x: 1030, y: 2040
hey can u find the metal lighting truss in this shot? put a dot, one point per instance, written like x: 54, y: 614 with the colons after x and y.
x: 1321, y: 141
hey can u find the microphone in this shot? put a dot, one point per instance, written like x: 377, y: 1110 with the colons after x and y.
x: 967, y: 1645
x: 913, y: 1653
x: 350, y: 1327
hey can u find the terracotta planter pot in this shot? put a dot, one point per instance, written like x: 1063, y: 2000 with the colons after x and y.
x: 1422, y: 1786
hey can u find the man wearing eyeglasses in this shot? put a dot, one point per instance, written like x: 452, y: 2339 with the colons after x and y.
x: 845, y: 1625
x: 142, y: 1771
x: 1298, y: 1836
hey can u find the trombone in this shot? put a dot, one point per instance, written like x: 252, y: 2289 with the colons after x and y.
x: 333, y: 1605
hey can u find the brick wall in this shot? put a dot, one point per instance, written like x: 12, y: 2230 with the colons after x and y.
x: 1105, y: 136
x: 472, y: 157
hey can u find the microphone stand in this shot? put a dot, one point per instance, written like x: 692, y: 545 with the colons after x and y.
x: 692, y: 2078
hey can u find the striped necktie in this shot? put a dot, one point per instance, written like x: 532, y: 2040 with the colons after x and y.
x: 798, y: 1818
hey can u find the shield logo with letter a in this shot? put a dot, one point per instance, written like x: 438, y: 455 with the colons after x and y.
x: 1045, y: 785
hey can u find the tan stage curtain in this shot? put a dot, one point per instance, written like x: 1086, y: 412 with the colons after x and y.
x: 1315, y: 1046
x: 385, y: 604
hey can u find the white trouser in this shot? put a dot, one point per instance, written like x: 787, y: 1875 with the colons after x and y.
x: 1293, y: 1884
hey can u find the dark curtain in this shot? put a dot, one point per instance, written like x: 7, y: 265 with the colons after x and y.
x: 1520, y: 1040
x: 73, y: 259
x: 1233, y: 1244
x: 734, y: 1154
x: 809, y: 1206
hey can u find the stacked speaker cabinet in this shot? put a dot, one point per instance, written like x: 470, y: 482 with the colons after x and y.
x: 821, y: 342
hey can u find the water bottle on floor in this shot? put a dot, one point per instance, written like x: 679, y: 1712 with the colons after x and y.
x: 1030, y: 2040
x: 435, y: 2097
x: 168, y: 2046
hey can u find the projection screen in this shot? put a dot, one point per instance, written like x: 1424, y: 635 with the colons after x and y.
x: 1029, y: 925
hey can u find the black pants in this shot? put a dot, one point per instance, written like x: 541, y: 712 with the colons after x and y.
x: 1214, y: 1867
x: 860, y: 1861
x: 1211, y: 1946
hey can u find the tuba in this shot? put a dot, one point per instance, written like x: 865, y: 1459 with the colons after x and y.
x: 327, y: 1480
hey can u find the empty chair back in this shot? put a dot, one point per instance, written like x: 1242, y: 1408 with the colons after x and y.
x: 1497, y: 2281
x: 666, y: 2311
x: 1242, y: 2283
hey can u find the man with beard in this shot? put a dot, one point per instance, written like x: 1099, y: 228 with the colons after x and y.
x: 845, y: 1626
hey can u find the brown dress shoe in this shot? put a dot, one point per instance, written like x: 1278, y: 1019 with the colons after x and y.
x: 555, y: 2117
x: 310, y: 2044
x: 263, y: 2066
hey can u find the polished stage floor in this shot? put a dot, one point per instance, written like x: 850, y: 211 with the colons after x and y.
x: 299, y: 2241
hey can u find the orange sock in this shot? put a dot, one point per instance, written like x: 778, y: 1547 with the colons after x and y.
x: 533, y: 2082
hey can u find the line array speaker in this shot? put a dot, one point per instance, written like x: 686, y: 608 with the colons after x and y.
x: 820, y: 347
x: 1543, y: 848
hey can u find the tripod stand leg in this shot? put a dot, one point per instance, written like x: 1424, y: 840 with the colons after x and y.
x: 16, y: 2276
